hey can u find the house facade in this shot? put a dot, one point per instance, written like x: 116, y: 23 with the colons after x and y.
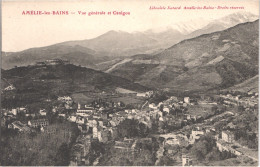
x: 228, y: 136
x: 38, y: 122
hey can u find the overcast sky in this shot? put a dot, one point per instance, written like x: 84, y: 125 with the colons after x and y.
x: 24, y: 31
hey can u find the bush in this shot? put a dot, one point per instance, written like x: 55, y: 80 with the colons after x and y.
x: 204, y: 149
x: 132, y: 128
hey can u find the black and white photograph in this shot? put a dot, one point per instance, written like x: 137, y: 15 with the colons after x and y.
x: 129, y: 83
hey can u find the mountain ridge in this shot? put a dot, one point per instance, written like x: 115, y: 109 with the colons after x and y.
x: 67, y: 78
x: 230, y: 55
x: 111, y: 45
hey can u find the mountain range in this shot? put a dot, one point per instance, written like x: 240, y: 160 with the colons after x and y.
x: 219, y: 55
x: 224, y: 23
x: 217, y: 60
x: 119, y: 44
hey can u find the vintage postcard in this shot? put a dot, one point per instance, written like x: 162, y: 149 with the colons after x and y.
x: 129, y: 83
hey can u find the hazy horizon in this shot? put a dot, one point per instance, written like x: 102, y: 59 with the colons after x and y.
x: 40, y: 31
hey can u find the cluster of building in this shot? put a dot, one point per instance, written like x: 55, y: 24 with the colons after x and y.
x: 80, y: 151
x: 98, y: 121
x: 226, y: 143
x: 14, y: 111
x: 9, y: 88
x: 52, y: 62
x: 11, y: 120
x: 94, y: 121
x: 19, y: 126
x: 250, y: 100
x: 103, y: 128
x: 93, y: 118
x: 9, y: 115
x: 145, y: 94
x: 172, y: 112
x: 30, y: 126
x: 58, y: 130
x: 183, y: 139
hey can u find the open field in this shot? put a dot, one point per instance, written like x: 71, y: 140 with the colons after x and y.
x: 200, y: 109
x: 129, y: 99
x: 81, y: 98
x: 87, y: 97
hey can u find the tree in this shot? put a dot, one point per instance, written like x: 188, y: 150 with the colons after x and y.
x: 144, y: 158
x: 123, y: 161
x: 21, y: 116
x: 185, y: 69
x: 128, y: 128
x: 143, y: 130
x: 95, y: 150
x: 204, y: 146
x: 226, y: 155
x: 198, y: 153
x: 154, y: 128
x: 63, y: 155
x: 166, y: 161
x: 240, y: 109
x: 214, y: 155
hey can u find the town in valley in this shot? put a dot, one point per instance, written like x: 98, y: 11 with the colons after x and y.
x: 154, y: 128
x: 122, y: 99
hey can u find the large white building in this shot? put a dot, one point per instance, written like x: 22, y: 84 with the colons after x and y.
x: 228, y: 136
x: 84, y: 110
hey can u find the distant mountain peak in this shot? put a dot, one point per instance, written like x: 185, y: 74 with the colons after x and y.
x: 116, y: 32
x: 244, y: 13
x: 160, y: 30
x: 238, y: 17
x: 224, y: 23
x: 189, y: 26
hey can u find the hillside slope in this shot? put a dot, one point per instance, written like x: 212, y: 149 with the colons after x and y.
x: 224, y: 23
x: 119, y: 44
x: 217, y: 60
x: 34, y: 83
x: 247, y: 86
x: 77, y: 55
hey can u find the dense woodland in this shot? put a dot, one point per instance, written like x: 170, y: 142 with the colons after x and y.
x: 33, y: 149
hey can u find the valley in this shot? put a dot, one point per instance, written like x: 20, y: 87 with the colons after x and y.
x: 182, y: 96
